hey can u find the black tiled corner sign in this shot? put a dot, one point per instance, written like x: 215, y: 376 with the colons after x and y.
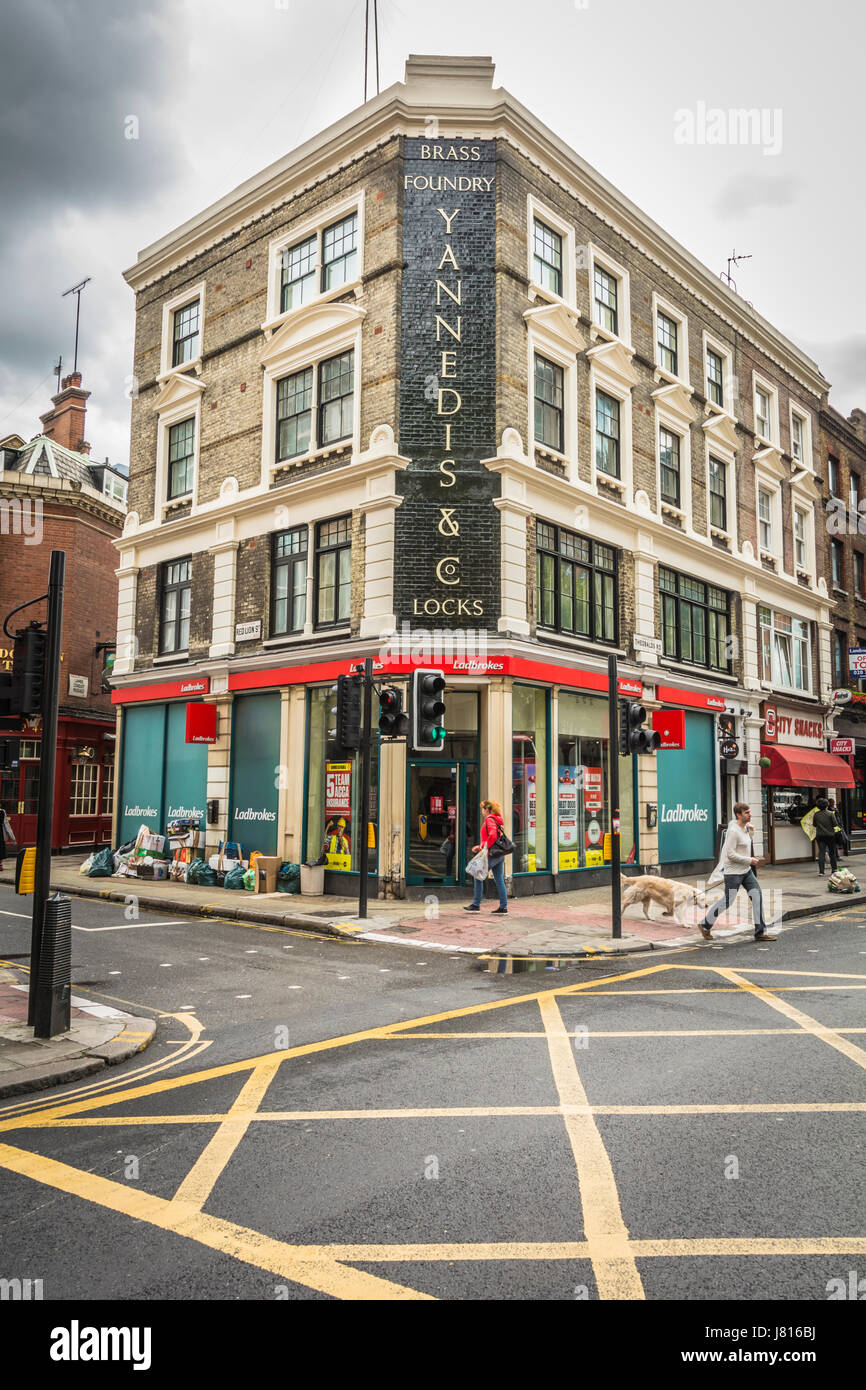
x: 447, y: 529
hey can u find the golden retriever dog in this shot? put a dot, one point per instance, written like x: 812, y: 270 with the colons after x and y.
x: 670, y: 895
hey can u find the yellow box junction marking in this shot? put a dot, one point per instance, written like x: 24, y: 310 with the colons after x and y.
x: 608, y: 1246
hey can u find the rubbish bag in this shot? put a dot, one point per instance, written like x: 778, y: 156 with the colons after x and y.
x: 87, y: 865
x: 250, y: 880
x: 234, y: 878
x: 201, y: 874
x: 289, y: 878
x: 103, y: 864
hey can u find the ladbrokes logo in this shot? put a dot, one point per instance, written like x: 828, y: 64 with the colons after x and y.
x: 77, y: 1343
x: 679, y: 813
x: 250, y: 814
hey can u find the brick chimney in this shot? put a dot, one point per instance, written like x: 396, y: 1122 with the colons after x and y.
x: 64, y: 423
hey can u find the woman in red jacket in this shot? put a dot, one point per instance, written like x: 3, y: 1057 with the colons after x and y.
x: 493, y: 823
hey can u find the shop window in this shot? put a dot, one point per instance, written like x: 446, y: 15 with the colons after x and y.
x: 695, y: 620
x: 85, y: 782
x: 786, y: 659
x: 289, y: 582
x: 108, y: 785
x: 576, y: 584
x: 333, y: 571
x: 335, y: 826
x: 529, y: 779
x: 175, y: 605
x: 583, y: 795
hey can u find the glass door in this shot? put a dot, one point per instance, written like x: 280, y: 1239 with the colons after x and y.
x: 433, y: 833
x: 443, y: 821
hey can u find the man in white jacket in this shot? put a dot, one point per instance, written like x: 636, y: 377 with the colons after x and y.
x: 737, y: 866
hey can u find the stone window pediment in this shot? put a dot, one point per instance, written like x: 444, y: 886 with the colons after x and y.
x: 309, y: 331
x: 613, y: 358
x: 721, y: 430
x: 557, y: 324
x: 675, y: 400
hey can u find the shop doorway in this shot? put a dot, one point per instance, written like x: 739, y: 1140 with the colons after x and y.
x: 19, y: 787
x: 443, y: 810
x: 443, y: 823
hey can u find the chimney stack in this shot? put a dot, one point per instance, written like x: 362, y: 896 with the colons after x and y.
x: 64, y: 423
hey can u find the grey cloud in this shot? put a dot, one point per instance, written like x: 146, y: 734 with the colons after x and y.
x: 76, y: 69
x: 844, y: 365
x: 749, y: 192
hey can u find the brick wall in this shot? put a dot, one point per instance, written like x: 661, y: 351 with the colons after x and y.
x: 90, y: 594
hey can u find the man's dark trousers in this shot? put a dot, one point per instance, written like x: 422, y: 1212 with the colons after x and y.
x: 827, y: 846
x: 733, y: 883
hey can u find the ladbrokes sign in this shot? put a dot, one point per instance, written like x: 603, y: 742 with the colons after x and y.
x: 447, y: 531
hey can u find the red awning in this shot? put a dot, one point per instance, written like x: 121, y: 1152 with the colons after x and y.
x: 803, y: 767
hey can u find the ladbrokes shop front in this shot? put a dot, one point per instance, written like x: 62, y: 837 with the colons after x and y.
x: 530, y: 735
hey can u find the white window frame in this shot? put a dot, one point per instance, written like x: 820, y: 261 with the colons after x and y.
x: 295, y: 360
x: 729, y: 395
x: 807, y: 689
x: 728, y: 461
x: 610, y: 385
x: 183, y: 409
x: 544, y: 344
x: 770, y: 485
x: 665, y: 420
x: 664, y: 306
x: 803, y: 504
x: 169, y: 309
x: 797, y: 412
x: 760, y: 383
x: 536, y: 209
x: 323, y: 218
x: 92, y: 786
x: 623, y: 296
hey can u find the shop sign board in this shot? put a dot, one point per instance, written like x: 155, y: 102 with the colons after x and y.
x: 255, y: 772
x: 856, y: 662
x: 569, y: 854
x: 843, y: 746
x: 670, y: 725
x: 686, y: 793
x: 248, y: 632
x: 201, y: 723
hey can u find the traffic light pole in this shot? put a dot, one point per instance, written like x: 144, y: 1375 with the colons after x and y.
x: 613, y: 743
x: 47, y: 765
x: 364, y: 814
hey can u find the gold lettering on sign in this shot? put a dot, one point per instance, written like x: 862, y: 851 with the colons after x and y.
x: 451, y: 607
x: 456, y: 333
x: 448, y: 569
x: 449, y: 360
x: 440, y: 286
x: 449, y: 218
x: 449, y: 391
x: 448, y: 258
x: 445, y: 467
x: 447, y: 526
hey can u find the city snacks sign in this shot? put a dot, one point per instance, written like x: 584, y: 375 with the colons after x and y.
x: 798, y: 729
x: 446, y: 569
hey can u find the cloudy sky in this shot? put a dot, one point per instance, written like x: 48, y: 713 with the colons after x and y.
x: 221, y: 88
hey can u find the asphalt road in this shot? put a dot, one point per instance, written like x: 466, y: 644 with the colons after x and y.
x: 329, y: 1119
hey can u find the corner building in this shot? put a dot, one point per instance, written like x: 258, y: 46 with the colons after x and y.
x: 430, y: 390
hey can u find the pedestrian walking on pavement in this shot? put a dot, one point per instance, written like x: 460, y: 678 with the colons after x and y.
x: 492, y: 825
x: 825, y: 825
x: 737, y: 867
x: 844, y: 838
x: 6, y: 834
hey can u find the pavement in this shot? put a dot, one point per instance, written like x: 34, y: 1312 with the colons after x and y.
x: 99, y: 1036
x: 571, y: 925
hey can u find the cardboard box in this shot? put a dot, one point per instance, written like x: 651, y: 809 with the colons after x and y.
x: 267, y: 868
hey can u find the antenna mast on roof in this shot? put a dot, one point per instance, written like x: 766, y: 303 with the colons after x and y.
x: 76, y: 290
x: 367, y: 42
x: 57, y: 371
x: 733, y: 260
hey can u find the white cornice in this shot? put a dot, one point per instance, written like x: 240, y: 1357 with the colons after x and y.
x: 467, y: 106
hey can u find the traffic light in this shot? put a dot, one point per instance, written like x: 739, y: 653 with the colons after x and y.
x: 349, y: 712
x: 21, y: 692
x: 633, y: 737
x: 428, y: 711
x: 393, y: 723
